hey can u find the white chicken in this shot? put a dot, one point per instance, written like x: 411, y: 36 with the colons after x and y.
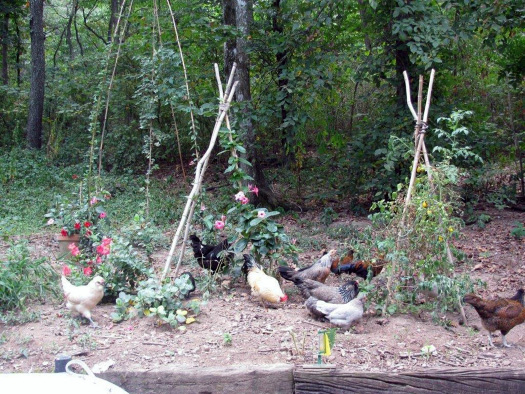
x: 341, y: 315
x: 83, y: 299
x: 263, y: 286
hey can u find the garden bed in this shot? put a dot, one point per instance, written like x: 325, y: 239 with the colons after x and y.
x: 235, y: 330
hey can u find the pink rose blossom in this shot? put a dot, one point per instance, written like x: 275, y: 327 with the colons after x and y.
x: 88, y: 271
x: 261, y: 214
x: 219, y: 224
x: 99, y: 260
x: 106, y: 241
x: 244, y: 200
x: 102, y: 215
x: 254, y: 189
x: 66, y: 271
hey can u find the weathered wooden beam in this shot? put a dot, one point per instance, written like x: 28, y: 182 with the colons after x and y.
x: 260, y: 379
x: 453, y: 380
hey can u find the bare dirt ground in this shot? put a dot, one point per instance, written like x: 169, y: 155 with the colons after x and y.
x: 283, y: 335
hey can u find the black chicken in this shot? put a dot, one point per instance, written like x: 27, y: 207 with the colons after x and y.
x: 211, y: 257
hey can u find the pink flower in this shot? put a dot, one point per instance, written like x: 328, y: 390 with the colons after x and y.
x: 239, y: 196
x: 87, y: 224
x: 254, y: 189
x: 50, y: 222
x: 77, y: 226
x: 244, y: 200
x: 66, y: 271
x: 261, y: 214
x: 223, y: 218
x: 203, y: 207
x: 63, y: 232
x: 103, y: 250
x: 88, y: 271
x: 102, y: 215
x: 219, y: 224
x: 93, y: 201
x: 90, y: 262
x: 99, y: 260
x: 192, y: 163
x: 294, y: 241
x: 106, y: 241
x: 75, y: 251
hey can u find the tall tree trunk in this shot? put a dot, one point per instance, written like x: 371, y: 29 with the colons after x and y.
x: 282, y: 82
x: 38, y: 65
x: 69, y: 40
x: 114, y: 10
x: 19, y: 50
x: 230, y: 46
x: 244, y: 19
x: 402, y: 63
x: 5, y: 45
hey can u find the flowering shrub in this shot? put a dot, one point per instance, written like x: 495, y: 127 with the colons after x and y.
x: 253, y: 226
x: 112, y: 258
x: 79, y: 215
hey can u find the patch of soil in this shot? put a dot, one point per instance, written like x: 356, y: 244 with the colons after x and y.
x: 286, y: 334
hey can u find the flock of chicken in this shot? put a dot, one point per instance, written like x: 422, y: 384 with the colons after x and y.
x: 341, y: 306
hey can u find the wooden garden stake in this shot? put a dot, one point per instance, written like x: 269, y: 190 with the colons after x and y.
x: 199, y: 174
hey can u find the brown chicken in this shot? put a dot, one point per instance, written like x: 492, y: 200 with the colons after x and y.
x: 347, y: 265
x: 318, y: 271
x: 263, y: 286
x: 501, y: 314
x: 335, y: 295
x: 83, y: 299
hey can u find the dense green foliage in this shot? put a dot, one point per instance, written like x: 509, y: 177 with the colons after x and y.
x: 331, y: 125
x: 324, y: 74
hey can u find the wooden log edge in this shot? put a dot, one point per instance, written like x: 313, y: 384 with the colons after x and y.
x: 182, y: 379
x: 443, y: 380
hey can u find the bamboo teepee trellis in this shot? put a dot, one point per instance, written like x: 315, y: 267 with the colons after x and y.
x: 185, y: 222
x: 420, y: 149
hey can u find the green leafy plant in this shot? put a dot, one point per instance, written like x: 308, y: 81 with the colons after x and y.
x: 421, y: 251
x: 328, y: 216
x: 166, y: 301
x: 24, y: 279
x: 227, y: 339
x: 518, y: 231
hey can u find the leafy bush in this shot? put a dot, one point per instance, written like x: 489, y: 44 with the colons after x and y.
x: 164, y: 301
x: 420, y: 247
x: 518, y: 231
x: 24, y: 279
x: 114, y: 259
